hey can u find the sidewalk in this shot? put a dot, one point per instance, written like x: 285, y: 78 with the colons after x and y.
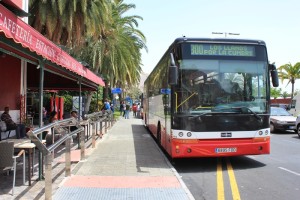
x: 126, y: 164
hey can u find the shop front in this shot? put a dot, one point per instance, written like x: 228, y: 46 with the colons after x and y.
x: 31, y: 62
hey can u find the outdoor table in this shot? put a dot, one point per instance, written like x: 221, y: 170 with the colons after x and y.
x: 27, y: 146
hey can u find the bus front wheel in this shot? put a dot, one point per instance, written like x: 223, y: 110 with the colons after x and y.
x: 298, y: 130
x: 158, y: 134
x: 272, y: 128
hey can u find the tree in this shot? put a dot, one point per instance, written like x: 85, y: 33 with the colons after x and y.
x: 285, y: 94
x: 275, y: 92
x: 98, y: 32
x: 291, y: 73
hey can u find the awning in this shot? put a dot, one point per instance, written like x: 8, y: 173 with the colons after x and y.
x: 28, y: 37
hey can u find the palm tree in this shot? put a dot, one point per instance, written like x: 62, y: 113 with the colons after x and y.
x: 68, y: 22
x: 289, y: 72
x: 97, y: 32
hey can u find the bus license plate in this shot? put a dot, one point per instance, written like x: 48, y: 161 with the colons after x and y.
x: 225, y: 150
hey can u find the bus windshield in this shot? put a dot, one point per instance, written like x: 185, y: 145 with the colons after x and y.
x: 218, y: 85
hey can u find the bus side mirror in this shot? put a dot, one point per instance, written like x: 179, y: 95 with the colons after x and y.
x: 274, y: 75
x: 173, y: 72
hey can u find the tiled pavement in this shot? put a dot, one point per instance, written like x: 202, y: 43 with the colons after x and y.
x: 126, y: 164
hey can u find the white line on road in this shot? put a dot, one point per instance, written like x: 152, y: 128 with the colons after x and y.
x: 294, y: 142
x: 289, y: 171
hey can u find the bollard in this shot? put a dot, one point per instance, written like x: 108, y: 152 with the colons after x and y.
x: 94, y: 136
x: 111, y: 120
x: 105, y: 124
x: 68, y: 157
x: 48, y: 176
x: 82, y: 146
x: 101, y: 133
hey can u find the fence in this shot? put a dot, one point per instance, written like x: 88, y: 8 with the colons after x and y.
x: 94, y: 120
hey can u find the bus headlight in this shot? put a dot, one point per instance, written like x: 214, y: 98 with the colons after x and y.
x: 266, y: 132
x: 189, y: 134
x: 180, y: 134
x: 260, y: 132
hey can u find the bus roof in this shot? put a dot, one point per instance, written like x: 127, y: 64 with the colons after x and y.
x: 220, y: 40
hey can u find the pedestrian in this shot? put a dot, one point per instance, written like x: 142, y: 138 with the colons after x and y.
x: 134, y: 109
x: 106, y: 105
x: 121, y: 108
x: 124, y: 109
x: 138, y: 110
x: 112, y: 107
x: 127, y: 110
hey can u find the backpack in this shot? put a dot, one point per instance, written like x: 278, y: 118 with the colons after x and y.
x: 107, y: 107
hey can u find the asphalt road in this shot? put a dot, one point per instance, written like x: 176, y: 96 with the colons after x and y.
x: 275, y: 176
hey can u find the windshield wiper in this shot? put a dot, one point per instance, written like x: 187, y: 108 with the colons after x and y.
x: 242, y: 109
x: 259, y: 119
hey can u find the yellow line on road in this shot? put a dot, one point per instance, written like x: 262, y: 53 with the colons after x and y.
x: 233, y: 183
x: 220, y: 183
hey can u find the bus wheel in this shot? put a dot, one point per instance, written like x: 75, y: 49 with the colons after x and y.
x: 158, y: 134
x: 298, y: 130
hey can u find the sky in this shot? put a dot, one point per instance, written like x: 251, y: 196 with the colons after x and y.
x: 276, y: 22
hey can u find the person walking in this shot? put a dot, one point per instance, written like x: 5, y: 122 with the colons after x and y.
x: 138, y: 110
x: 134, y: 109
x: 121, y: 109
x: 127, y: 110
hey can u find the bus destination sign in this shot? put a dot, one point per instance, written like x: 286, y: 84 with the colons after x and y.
x: 222, y: 50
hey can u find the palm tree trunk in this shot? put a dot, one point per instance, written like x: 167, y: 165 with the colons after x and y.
x: 88, y: 102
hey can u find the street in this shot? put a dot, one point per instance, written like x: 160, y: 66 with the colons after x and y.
x: 260, y: 177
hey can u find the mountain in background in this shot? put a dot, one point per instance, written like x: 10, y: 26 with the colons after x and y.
x: 142, y: 80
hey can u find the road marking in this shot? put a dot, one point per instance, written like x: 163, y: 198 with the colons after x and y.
x: 294, y: 142
x: 289, y: 171
x: 233, y: 183
x: 220, y: 183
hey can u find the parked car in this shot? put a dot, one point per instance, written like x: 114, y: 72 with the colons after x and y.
x: 282, y: 120
x: 281, y: 105
x: 298, y: 125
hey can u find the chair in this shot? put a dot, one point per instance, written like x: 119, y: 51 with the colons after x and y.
x: 8, y: 161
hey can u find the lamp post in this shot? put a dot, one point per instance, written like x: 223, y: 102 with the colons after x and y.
x: 225, y: 33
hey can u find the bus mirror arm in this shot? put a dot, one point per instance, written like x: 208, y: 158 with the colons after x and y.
x: 274, y: 75
x: 173, y: 71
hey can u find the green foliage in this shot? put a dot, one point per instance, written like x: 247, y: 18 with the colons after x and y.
x: 134, y: 92
x: 285, y: 94
x: 275, y: 92
x: 96, y: 106
x: 291, y: 73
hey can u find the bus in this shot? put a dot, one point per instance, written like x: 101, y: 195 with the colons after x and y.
x: 210, y: 97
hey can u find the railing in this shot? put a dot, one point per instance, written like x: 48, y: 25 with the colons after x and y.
x: 95, y: 120
x: 47, y: 150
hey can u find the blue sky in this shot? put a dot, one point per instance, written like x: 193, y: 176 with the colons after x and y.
x: 277, y: 22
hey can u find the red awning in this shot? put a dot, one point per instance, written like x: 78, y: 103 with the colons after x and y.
x: 14, y: 28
